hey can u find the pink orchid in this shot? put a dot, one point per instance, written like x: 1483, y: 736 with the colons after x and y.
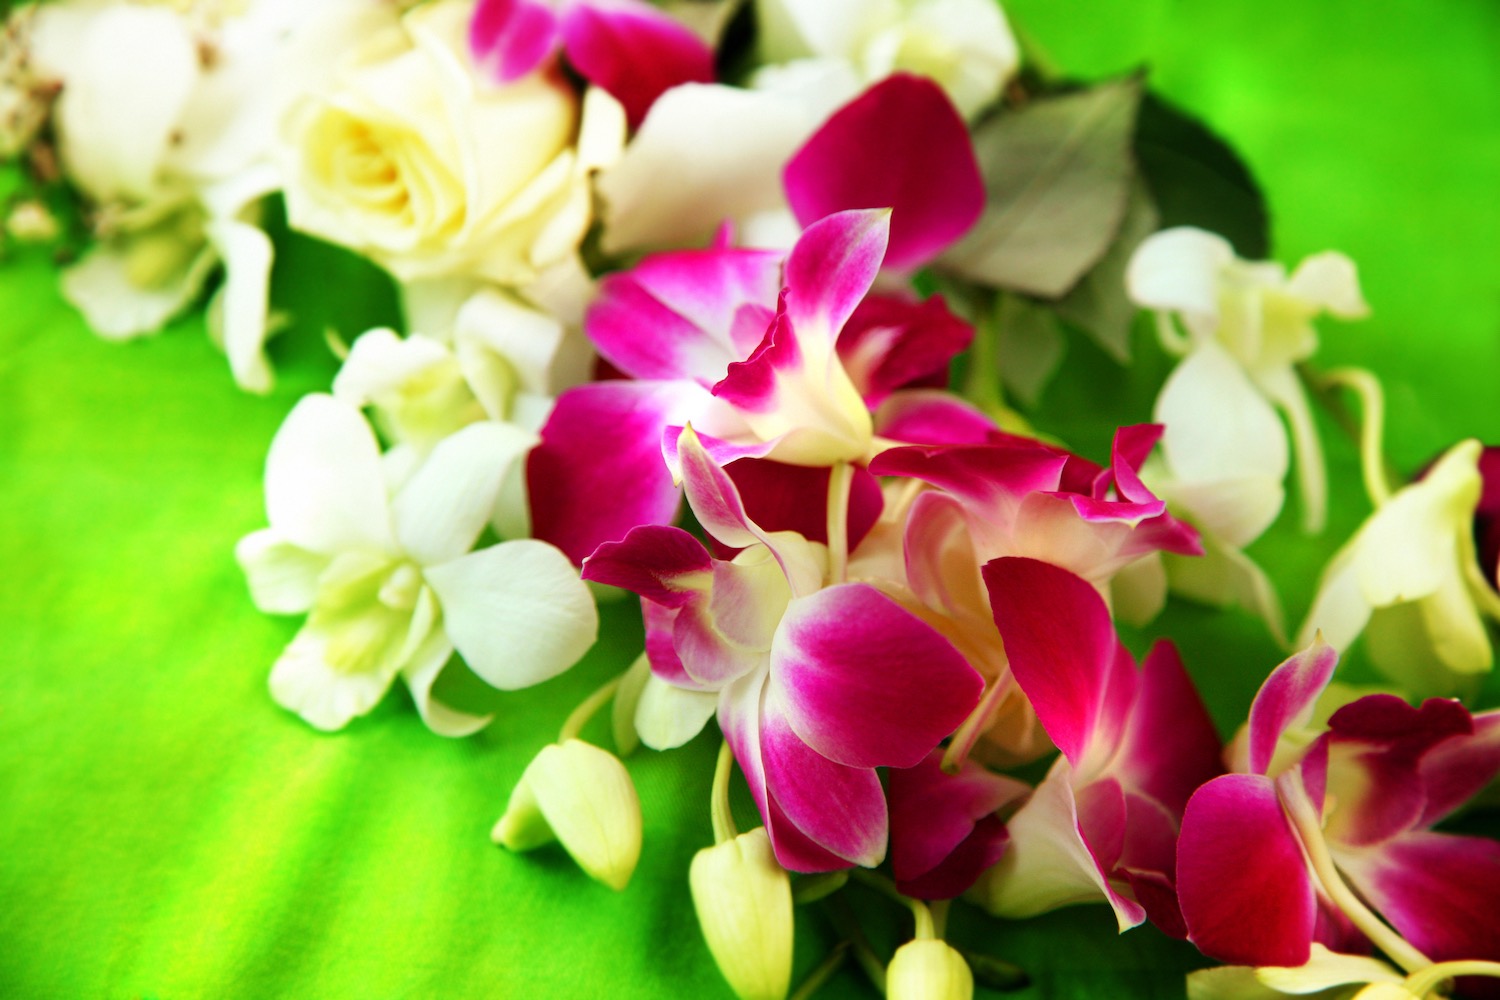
x: 814, y: 686
x: 628, y: 47
x: 1271, y: 858
x: 997, y: 495
x: 1135, y: 744
x: 744, y: 348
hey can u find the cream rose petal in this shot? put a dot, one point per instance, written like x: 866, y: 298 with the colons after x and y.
x: 517, y: 612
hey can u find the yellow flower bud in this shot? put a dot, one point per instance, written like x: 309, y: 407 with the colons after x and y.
x: 1385, y: 991
x: 928, y: 969
x: 744, y: 903
x: 583, y: 797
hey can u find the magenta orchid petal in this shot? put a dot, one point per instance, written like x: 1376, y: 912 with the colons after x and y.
x: 866, y: 683
x: 933, y: 813
x: 1060, y: 643
x: 511, y: 38
x: 660, y: 623
x: 1246, y: 895
x: 1171, y: 746
x: 604, y: 440
x: 1158, y: 897
x: 662, y: 564
x: 1287, y: 698
x: 956, y: 873
x: 1101, y: 820
x: 829, y: 270
x: 994, y: 480
x: 634, y: 51
x: 891, y: 343
x: 1150, y: 836
x: 1131, y: 446
x: 753, y: 385
x: 1437, y: 889
x: 840, y: 808
x: 931, y: 416
x: 939, y: 554
x: 901, y: 145
x: 1455, y: 770
x: 781, y: 497
x: 687, y: 314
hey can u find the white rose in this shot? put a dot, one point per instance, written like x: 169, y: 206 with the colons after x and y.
x: 415, y: 160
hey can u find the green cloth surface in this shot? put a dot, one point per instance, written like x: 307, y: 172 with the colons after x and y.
x: 169, y: 832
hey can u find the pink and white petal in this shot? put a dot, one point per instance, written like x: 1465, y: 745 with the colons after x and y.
x: 283, y: 577
x: 510, y: 38
x: 729, y: 635
x: 325, y: 490
x: 662, y: 564
x: 933, y: 812
x: 421, y: 673
x: 928, y: 174
x: 1102, y: 813
x: 992, y: 480
x: 1287, y: 699
x: 890, y: 343
x: 1171, y: 746
x: 781, y: 497
x: 839, y: 808
x: 442, y: 508
x: 517, y: 612
x: 1437, y: 889
x: 1128, y: 453
x: 829, y: 271
x: 1060, y: 643
x: 1243, y: 884
x: 1456, y: 770
x: 661, y: 623
x: 633, y: 51
x: 864, y: 681
x: 668, y: 716
x: 604, y: 439
x: 931, y: 416
x: 675, y: 315
x: 1048, y: 864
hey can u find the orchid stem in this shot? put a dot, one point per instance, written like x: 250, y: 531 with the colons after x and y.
x: 925, y: 929
x: 982, y: 385
x: 581, y: 715
x: 1299, y: 810
x: 840, y: 480
x: 1372, y: 428
x: 968, y: 732
x: 824, y: 972
x: 939, y: 910
x: 1426, y: 980
x: 847, y: 924
x: 719, y: 812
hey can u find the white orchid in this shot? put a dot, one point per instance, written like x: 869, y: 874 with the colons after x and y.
x: 386, y: 575
x: 1410, y: 581
x: 165, y: 121
x: 1261, y: 320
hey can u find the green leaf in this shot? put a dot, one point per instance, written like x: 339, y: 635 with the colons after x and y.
x: 1057, y: 173
x: 1098, y: 305
x: 1030, y: 346
x: 1198, y: 180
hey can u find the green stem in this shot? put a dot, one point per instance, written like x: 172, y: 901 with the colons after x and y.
x: 982, y: 386
x: 1424, y: 981
x: 973, y: 727
x: 823, y: 972
x: 1372, y: 428
x: 920, y: 913
x: 719, y: 812
x: 939, y: 909
x: 840, y: 480
x: 581, y: 715
x: 1299, y: 809
x: 847, y: 924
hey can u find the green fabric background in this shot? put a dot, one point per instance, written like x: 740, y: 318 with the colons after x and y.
x: 168, y: 832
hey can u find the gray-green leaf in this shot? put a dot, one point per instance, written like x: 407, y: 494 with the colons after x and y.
x: 1098, y: 305
x: 1057, y: 175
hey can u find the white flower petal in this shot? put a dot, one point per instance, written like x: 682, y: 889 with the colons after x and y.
x: 420, y: 674
x: 667, y: 716
x: 244, y: 300
x: 1178, y: 269
x: 305, y: 680
x: 504, y: 346
x: 324, y: 487
x: 1331, y: 281
x: 1341, y: 610
x: 283, y: 577
x: 116, y: 308
x: 1325, y: 970
x: 381, y: 361
x: 517, y: 612
x: 1217, y: 424
x: 443, y: 507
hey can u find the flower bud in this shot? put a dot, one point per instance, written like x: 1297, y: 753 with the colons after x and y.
x: 1385, y: 991
x: 928, y: 969
x: 744, y: 903
x: 581, y: 796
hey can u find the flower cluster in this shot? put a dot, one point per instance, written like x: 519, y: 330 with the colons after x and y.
x: 683, y: 334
